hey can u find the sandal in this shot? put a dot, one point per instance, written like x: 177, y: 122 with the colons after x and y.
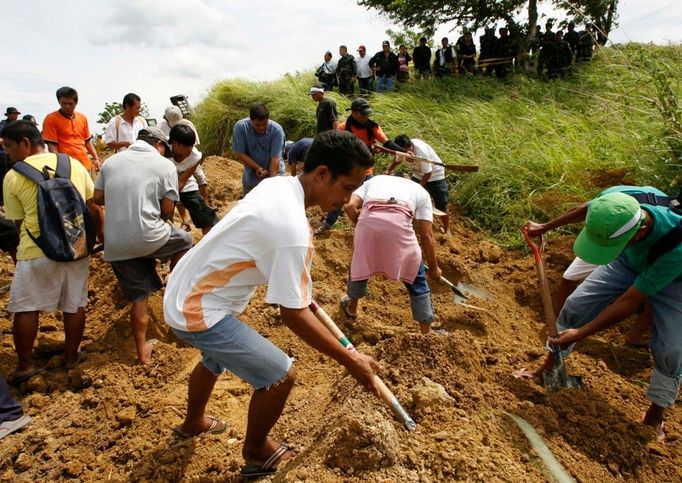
x: 217, y: 426
x: 268, y: 467
x: 8, y: 427
x: 15, y: 379
x: 185, y: 226
x: 345, y: 300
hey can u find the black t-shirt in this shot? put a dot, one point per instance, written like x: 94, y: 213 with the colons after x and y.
x: 326, y: 115
x: 422, y: 57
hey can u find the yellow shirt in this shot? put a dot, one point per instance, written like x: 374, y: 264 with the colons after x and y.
x: 21, y: 199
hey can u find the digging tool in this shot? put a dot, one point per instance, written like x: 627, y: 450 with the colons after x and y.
x: 386, y: 394
x: 556, y: 376
x: 461, y: 296
x: 467, y: 168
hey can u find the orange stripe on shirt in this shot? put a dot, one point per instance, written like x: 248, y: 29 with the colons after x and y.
x: 192, y: 310
x: 305, y: 277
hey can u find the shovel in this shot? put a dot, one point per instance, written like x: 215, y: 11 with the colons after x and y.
x: 464, y: 292
x: 386, y: 395
x: 556, y: 376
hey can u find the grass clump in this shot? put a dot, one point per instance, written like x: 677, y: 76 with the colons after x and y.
x: 541, y: 146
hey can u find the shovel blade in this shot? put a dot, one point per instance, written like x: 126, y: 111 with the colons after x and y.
x: 473, y: 291
x: 556, y: 378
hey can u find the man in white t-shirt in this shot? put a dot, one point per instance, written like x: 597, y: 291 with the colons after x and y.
x: 122, y: 129
x: 385, y: 243
x: 139, y: 187
x: 430, y: 176
x: 364, y: 71
x: 264, y: 239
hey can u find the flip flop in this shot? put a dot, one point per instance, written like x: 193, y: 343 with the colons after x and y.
x: 345, y: 300
x: 217, y: 426
x: 15, y: 379
x: 8, y: 427
x: 268, y: 467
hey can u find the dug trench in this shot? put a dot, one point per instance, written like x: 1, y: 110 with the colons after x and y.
x: 111, y: 419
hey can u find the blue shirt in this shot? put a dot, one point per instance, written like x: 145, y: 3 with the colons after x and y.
x: 298, y: 150
x: 668, y: 267
x: 259, y: 147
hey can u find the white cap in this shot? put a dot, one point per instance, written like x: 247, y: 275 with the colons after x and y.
x: 173, y: 114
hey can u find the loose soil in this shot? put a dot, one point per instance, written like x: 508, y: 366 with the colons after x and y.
x: 111, y: 419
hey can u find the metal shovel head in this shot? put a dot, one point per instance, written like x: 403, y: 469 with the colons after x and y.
x: 473, y: 291
x: 556, y: 377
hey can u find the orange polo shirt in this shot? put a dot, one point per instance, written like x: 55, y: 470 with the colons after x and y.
x: 70, y: 135
x: 361, y: 133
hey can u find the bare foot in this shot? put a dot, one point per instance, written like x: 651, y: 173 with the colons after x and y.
x: 81, y: 356
x: 148, y: 349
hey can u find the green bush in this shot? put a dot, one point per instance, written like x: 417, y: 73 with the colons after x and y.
x: 541, y: 146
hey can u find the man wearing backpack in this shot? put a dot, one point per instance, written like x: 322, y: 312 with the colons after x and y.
x: 41, y: 283
x: 136, y: 230
x: 122, y: 129
x: 636, y: 238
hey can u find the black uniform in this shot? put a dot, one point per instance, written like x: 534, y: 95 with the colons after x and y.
x: 560, y: 59
x: 421, y: 56
x: 468, y: 63
x: 505, y: 50
x: 572, y: 38
x: 585, y: 47
x: 346, y: 70
x: 546, y: 45
x: 488, y: 45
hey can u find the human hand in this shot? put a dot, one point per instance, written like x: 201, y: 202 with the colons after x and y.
x: 97, y: 164
x: 434, y: 273
x: 364, y: 368
x: 566, y: 338
x: 261, y: 173
x: 535, y: 229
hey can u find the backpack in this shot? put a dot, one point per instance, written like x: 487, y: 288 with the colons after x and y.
x: 673, y: 238
x: 66, y: 230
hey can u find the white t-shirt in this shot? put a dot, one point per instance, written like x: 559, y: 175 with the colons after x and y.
x: 364, y: 70
x: 402, y: 189
x: 193, y: 158
x: 126, y: 131
x: 419, y: 169
x: 265, y: 238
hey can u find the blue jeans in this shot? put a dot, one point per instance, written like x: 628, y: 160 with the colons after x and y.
x: 606, y: 284
x: 384, y: 83
x: 420, y: 295
x: 231, y: 345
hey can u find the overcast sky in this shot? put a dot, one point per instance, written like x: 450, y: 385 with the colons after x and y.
x: 159, y: 48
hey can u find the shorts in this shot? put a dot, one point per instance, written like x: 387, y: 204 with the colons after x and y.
x: 231, y: 345
x: 202, y: 216
x: 138, y: 278
x: 44, y: 285
x: 439, y: 191
x: 578, y: 270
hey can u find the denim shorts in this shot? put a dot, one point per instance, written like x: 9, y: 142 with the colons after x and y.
x: 231, y: 345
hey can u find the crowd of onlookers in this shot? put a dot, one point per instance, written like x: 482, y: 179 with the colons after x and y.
x: 553, y: 53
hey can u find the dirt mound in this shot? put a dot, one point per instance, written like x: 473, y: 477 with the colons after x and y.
x: 111, y: 419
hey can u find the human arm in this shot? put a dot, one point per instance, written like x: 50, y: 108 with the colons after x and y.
x: 574, y: 215
x: 93, y: 153
x: 167, y: 209
x: 619, y: 310
x: 425, y: 179
x: 305, y: 325
x: 425, y: 232
x: 96, y: 217
x: 352, y: 208
x: 98, y: 198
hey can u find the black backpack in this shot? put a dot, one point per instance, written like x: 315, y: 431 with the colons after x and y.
x: 66, y: 230
x: 673, y: 238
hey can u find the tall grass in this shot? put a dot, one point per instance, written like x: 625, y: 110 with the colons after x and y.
x: 541, y: 146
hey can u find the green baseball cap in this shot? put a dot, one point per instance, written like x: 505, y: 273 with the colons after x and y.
x: 612, y: 220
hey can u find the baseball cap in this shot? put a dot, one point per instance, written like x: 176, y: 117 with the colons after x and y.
x: 172, y: 114
x: 361, y: 105
x: 385, y: 42
x: 362, y: 47
x: 155, y: 134
x: 11, y: 110
x: 315, y: 89
x: 612, y: 220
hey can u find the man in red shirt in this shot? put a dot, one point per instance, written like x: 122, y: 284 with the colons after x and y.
x: 66, y: 131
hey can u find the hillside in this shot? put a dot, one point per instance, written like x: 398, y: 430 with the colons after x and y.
x: 111, y: 419
x: 541, y: 145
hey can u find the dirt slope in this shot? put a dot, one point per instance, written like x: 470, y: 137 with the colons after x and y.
x: 111, y: 419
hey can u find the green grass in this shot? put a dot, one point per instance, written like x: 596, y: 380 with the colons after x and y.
x: 541, y: 146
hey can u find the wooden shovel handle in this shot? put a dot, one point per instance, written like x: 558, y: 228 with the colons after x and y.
x: 547, y: 305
